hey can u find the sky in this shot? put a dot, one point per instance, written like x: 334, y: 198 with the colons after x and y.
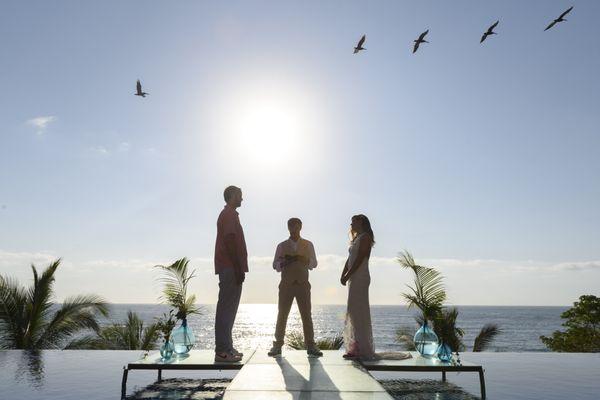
x: 479, y: 159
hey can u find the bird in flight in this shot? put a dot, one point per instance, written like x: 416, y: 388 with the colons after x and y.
x: 559, y: 19
x: 490, y: 31
x: 420, y: 40
x: 359, y: 45
x: 139, y: 92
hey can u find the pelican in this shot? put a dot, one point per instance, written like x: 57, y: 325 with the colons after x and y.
x: 489, y: 32
x: 559, y: 19
x: 420, y: 40
x: 139, y: 89
x: 359, y: 45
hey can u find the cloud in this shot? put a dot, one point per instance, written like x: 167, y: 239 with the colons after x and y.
x: 41, y: 123
x: 99, y: 151
x: 123, y: 147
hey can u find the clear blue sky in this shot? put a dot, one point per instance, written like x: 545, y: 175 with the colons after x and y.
x: 480, y: 159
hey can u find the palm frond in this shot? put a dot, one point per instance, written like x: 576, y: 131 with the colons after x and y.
x: 76, y: 314
x: 13, y: 302
x: 444, y: 326
x: 428, y: 293
x: 39, y: 300
x: 486, y: 336
x: 175, y: 279
x: 87, y: 342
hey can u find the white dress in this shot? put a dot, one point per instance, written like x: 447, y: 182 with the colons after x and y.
x: 358, y: 332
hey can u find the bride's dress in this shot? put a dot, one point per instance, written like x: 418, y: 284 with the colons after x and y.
x: 358, y: 331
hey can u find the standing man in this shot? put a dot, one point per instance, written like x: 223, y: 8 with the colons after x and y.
x: 294, y: 258
x: 231, y: 264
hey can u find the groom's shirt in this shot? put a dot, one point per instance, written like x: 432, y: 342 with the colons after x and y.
x: 229, y: 223
x: 295, y: 271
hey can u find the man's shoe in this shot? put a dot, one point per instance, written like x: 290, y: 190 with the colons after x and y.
x: 275, y: 351
x: 227, y: 357
x: 314, y: 352
x: 237, y: 353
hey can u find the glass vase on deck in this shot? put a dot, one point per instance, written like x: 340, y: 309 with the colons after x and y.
x: 166, y: 350
x: 426, y: 341
x: 183, y: 338
x: 444, y: 352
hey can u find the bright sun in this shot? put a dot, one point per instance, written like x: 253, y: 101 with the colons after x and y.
x: 269, y: 131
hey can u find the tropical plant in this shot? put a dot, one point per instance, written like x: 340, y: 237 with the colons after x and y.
x: 165, y: 325
x: 295, y: 339
x: 444, y: 326
x: 486, y: 336
x: 130, y: 335
x: 428, y: 293
x: 175, y: 279
x: 583, y: 328
x: 27, y: 320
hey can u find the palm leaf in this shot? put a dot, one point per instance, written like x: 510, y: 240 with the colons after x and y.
x: 13, y: 300
x: 444, y: 326
x: 175, y: 279
x: 75, y: 314
x: 428, y: 293
x: 486, y: 336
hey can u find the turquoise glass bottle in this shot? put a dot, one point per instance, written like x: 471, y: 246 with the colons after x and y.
x: 183, y: 338
x: 426, y: 341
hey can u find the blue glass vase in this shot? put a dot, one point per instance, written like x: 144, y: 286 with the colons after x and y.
x: 444, y: 352
x: 426, y: 341
x: 183, y: 338
x: 166, y: 350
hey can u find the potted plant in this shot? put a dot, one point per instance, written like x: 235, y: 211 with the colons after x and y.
x: 428, y: 295
x: 165, y: 325
x: 175, y: 279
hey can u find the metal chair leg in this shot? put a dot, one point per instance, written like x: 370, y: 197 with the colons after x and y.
x: 443, y: 376
x: 160, y: 375
x: 124, y: 383
x: 482, y: 384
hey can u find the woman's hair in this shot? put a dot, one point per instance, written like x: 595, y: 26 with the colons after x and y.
x: 366, y: 226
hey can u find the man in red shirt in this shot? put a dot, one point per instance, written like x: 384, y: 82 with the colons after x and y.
x: 231, y: 264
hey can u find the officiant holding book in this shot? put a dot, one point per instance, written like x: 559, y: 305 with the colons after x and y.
x: 294, y: 257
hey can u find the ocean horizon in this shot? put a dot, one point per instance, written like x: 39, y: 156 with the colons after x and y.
x: 521, y: 326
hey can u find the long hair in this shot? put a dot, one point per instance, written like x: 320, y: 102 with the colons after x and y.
x: 366, y: 226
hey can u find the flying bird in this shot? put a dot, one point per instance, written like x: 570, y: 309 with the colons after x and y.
x: 359, y: 45
x: 490, y: 31
x: 139, y: 89
x: 559, y: 19
x: 420, y: 40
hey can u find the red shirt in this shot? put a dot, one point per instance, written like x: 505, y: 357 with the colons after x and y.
x: 229, y: 223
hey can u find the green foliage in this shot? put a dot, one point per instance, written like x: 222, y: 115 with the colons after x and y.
x: 444, y: 326
x: 175, y: 279
x: 165, y: 325
x: 583, y: 328
x: 295, y: 340
x: 486, y: 336
x: 428, y: 293
x: 131, y: 335
x: 27, y: 320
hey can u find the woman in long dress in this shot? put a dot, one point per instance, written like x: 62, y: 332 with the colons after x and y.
x: 358, y: 332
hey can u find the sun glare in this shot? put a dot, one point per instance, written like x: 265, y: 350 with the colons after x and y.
x: 269, y: 131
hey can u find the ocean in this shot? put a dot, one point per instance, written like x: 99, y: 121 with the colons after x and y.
x: 255, y: 324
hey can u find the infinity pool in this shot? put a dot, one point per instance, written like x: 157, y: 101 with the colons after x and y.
x: 91, y: 375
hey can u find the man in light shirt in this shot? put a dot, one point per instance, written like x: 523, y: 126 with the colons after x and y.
x: 294, y: 257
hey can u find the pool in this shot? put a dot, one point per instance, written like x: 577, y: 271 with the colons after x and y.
x: 91, y: 375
